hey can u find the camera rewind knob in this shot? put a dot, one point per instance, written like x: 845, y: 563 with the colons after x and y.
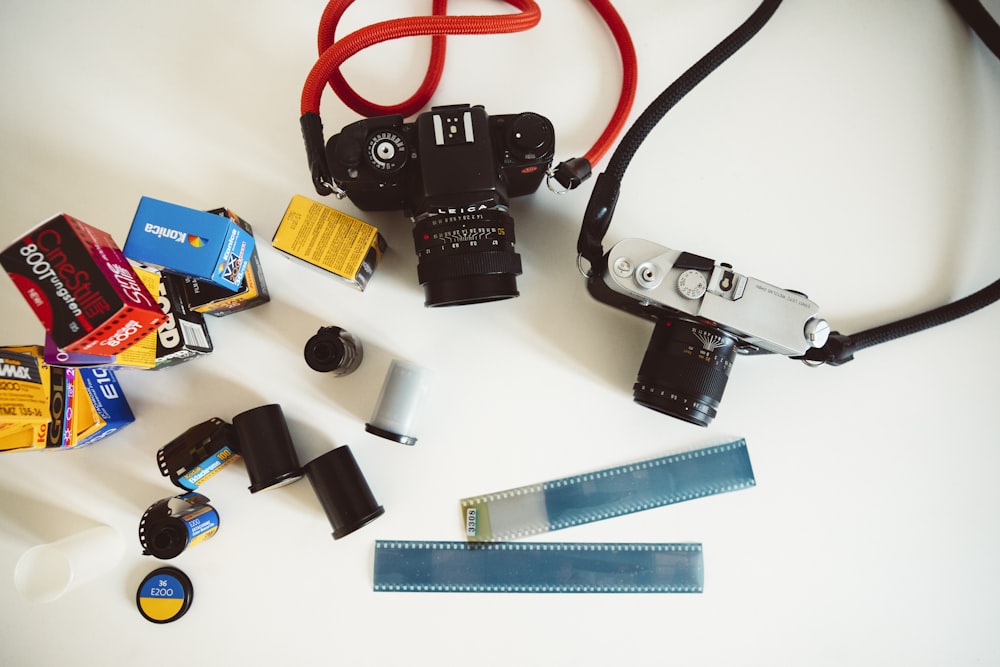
x: 529, y: 135
x: 817, y: 331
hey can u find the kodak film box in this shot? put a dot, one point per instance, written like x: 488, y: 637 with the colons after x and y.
x: 331, y: 240
x: 81, y: 407
x: 24, y: 387
x: 81, y: 287
x: 108, y: 401
x: 193, y: 243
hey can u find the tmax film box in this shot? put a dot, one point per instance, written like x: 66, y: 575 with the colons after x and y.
x: 81, y: 287
x: 331, y: 240
x: 189, y: 242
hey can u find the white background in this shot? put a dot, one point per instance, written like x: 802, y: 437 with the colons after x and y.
x: 851, y: 151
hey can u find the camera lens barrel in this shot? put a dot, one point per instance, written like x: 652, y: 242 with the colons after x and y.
x: 685, y: 370
x: 465, y: 258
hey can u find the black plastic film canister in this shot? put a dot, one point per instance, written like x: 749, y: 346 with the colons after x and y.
x: 343, y: 491
x: 266, y: 446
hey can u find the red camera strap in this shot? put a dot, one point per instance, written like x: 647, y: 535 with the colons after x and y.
x: 334, y: 52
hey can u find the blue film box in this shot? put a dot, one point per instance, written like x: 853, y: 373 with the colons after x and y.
x: 193, y: 243
x: 109, y: 402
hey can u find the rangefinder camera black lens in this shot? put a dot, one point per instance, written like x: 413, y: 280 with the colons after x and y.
x: 685, y: 370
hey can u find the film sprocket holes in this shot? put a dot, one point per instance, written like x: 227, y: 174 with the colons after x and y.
x: 81, y: 287
x: 453, y: 171
x: 705, y: 314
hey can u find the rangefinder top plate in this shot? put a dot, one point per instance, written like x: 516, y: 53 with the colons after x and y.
x: 762, y: 315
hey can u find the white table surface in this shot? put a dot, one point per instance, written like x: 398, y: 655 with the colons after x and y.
x: 851, y: 151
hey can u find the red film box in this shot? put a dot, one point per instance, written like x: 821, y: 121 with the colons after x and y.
x: 81, y: 287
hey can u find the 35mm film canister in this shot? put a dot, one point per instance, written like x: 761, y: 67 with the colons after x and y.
x: 343, y: 491
x: 334, y: 350
x: 172, y: 525
x: 398, y: 407
x: 266, y: 447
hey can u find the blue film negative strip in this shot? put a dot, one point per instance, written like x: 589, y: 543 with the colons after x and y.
x: 602, y: 494
x: 537, y: 567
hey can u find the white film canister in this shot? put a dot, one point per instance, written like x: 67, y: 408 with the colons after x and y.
x: 47, y: 571
x: 398, y: 408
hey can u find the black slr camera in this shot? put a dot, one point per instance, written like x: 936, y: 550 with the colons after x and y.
x: 453, y: 171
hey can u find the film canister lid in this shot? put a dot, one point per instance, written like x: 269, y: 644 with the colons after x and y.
x: 164, y: 595
x: 266, y: 447
x: 343, y: 491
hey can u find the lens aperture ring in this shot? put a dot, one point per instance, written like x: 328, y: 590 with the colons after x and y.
x: 469, y: 264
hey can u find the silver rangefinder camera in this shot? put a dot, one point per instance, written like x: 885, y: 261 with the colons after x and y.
x: 705, y: 314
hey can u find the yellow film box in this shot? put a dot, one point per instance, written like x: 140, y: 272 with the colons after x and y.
x: 24, y: 391
x: 331, y: 240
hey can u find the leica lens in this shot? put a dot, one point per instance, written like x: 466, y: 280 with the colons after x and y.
x: 685, y: 370
x: 466, y: 257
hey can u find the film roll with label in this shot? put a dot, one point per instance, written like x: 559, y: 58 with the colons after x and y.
x: 173, y: 525
x: 191, y: 458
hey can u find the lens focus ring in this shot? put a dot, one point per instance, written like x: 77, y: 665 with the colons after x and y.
x: 685, y: 370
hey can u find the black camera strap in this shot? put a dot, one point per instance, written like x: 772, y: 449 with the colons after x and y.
x: 840, y: 348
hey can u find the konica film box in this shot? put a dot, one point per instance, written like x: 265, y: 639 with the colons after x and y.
x: 331, y: 240
x: 189, y: 242
x: 81, y: 287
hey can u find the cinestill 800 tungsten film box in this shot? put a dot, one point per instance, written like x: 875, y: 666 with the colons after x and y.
x: 331, y: 240
x: 189, y: 242
x: 81, y: 287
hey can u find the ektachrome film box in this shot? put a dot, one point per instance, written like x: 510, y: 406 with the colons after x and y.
x: 109, y: 403
x: 333, y: 241
x: 190, y: 242
x: 81, y: 287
